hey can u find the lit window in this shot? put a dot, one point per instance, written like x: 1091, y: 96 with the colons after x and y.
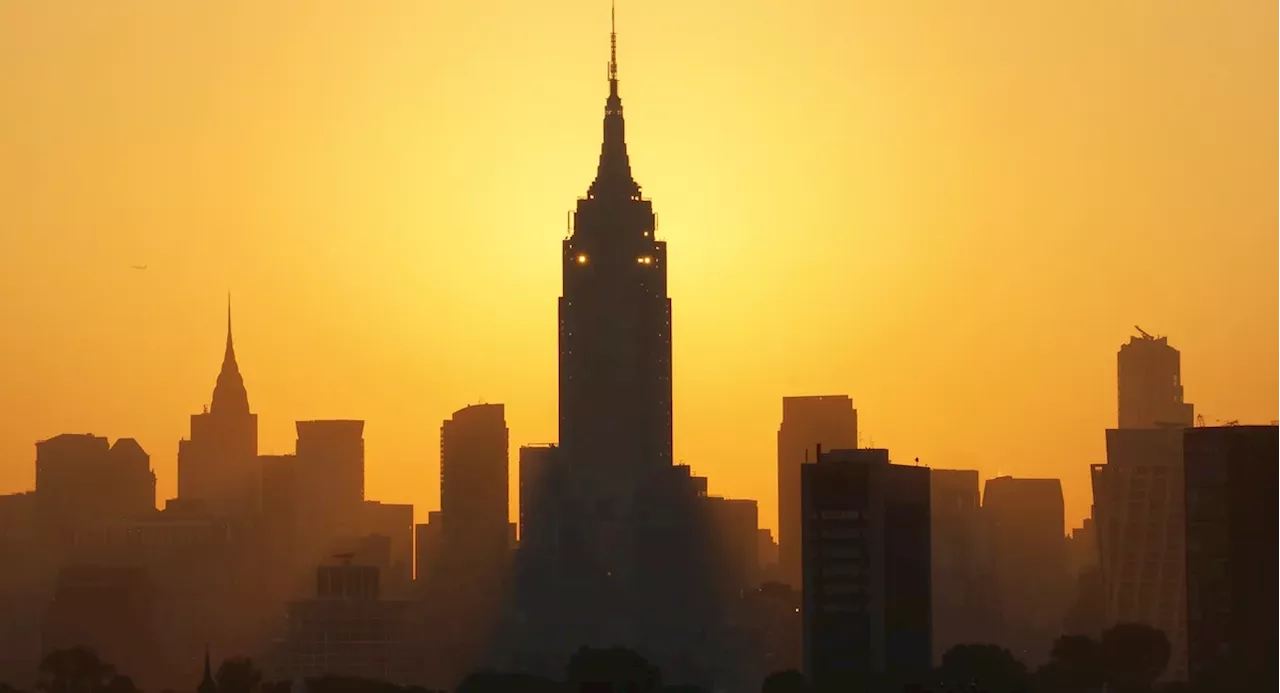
x: 644, y: 260
x: 582, y: 258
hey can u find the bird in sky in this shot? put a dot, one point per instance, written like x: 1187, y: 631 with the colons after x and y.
x: 139, y: 267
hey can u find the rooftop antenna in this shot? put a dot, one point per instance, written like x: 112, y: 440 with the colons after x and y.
x: 613, y: 42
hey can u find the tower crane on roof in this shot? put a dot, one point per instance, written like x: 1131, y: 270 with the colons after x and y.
x: 1143, y: 332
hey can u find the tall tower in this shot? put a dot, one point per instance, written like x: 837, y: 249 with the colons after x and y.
x: 218, y: 464
x: 1149, y: 372
x: 615, y: 324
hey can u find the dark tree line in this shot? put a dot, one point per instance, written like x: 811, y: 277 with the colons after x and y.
x: 1128, y: 658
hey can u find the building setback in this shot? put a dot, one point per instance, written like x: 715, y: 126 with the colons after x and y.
x: 866, y: 568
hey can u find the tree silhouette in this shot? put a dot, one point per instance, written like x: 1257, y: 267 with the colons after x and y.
x: 76, y: 670
x: 614, y: 669
x: 981, y: 668
x: 789, y: 681
x: 238, y: 675
x: 1134, y: 656
x: 494, y: 682
x: 1075, y: 666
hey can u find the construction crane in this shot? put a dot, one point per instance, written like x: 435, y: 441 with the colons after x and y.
x: 1199, y: 420
x: 1143, y: 332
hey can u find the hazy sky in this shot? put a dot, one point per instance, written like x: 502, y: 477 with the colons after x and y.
x: 955, y: 212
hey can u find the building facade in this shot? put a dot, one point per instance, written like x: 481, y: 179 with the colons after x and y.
x: 866, y: 559
x: 1231, y: 479
x: 807, y: 422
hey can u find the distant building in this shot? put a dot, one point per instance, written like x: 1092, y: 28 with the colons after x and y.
x: 866, y: 539
x: 108, y: 609
x: 474, y: 494
x: 807, y: 422
x: 347, y: 629
x: 541, y: 480
x: 1138, y: 506
x: 735, y: 551
x: 1231, y: 480
x: 767, y: 552
x: 1150, y: 384
x: 959, y: 609
x: 82, y: 482
x: 218, y: 464
x: 395, y: 522
x: 1024, y: 538
x: 428, y: 543
x: 329, y: 484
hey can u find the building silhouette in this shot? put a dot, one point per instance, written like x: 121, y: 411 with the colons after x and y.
x: 1138, y: 505
x: 1231, y: 481
x: 347, y: 629
x: 1138, y: 498
x: 83, y: 482
x: 866, y: 559
x: 628, y: 565
x: 1024, y: 537
x: 218, y: 464
x: 473, y: 494
x: 960, y: 606
x: 329, y: 478
x: 1149, y: 372
x: 807, y: 422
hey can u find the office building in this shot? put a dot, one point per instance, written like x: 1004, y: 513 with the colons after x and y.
x: 1138, y: 507
x: 347, y: 629
x: 1024, y: 546
x: 218, y: 464
x: 958, y: 607
x: 807, y: 422
x: 81, y: 482
x: 1149, y: 372
x: 474, y: 494
x: 1231, y: 480
x: 866, y: 559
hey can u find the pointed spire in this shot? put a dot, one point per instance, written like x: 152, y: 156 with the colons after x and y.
x: 230, y: 354
x: 207, y: 684
x: 613, y: 176
x: 229, y: 395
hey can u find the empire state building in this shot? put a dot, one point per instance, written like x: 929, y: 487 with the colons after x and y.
x: 615, y: 321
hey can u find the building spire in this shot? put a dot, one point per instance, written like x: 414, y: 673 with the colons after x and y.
x: 207, y: 684
x: 231, y: 349
x: 613, y: 44
x: 613, y: 177
x: 229, y: 395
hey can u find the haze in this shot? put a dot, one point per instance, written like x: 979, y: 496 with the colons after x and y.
x: 953, y: 212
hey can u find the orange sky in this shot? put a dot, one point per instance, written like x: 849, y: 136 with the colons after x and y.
x: 954, y: 212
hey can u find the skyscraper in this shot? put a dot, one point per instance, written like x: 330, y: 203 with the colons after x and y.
x: 826, y: 420
x: 866, y: 538
x: 1025, y: 542
x: 218, y: 465
x: 958, y: 605
x: 1149, y: 372
x: 473, y: 492
x: 1138, y: 497
x: 1231, y: 575
x: 627, y: 564
x: 615, y: 324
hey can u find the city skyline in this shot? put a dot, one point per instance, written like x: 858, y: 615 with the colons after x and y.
x: 306, y: 353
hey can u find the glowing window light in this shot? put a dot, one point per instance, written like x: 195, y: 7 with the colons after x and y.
x: 644, y: 260
x: 582, y: 258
